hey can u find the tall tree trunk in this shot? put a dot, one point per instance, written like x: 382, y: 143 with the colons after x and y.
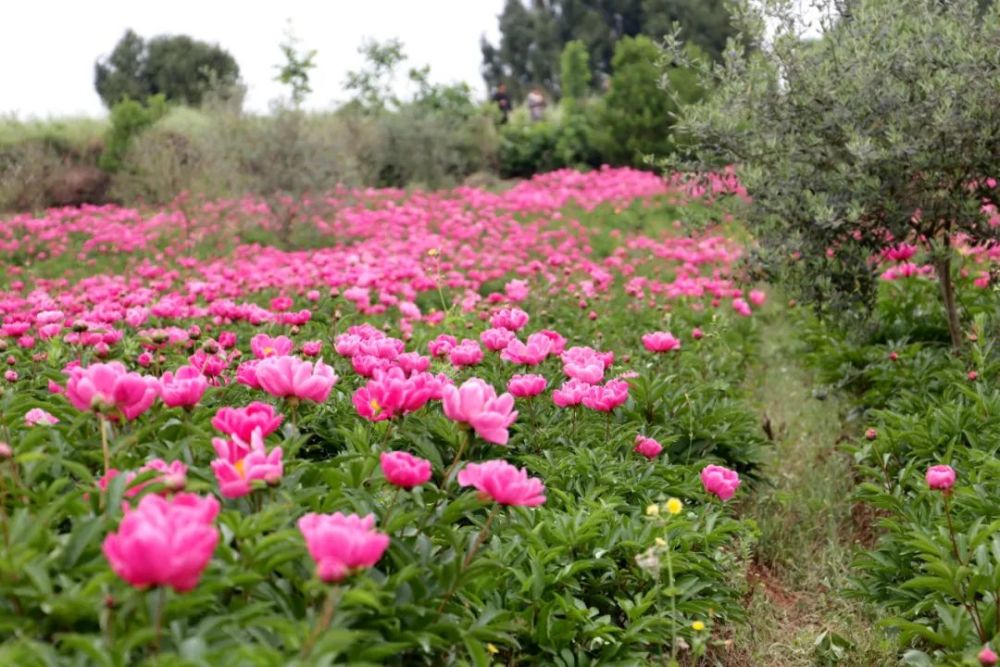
x: 943, y: 267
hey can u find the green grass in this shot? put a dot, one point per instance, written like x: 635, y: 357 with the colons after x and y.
x: 74, y: 132
x: 798, y: 609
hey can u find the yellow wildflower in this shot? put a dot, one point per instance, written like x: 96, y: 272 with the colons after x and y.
x: 698, y: 626
x: 674, y: 506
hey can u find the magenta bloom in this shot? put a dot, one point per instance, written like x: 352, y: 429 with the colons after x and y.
x: 697, y: 333
x: 405, y: 470
x: 37, y: 416
x: 290, y: 377
x: 570, y: 394
x: 742, y: 307
x: 497, y: 339
x: 509, y: 318
x: 240, y: 464
x: 660, y: 341
x: 987, y: 657
x: 530, y: 353
x: 757, y: 297
x: 584, y: 364
x: 647, y: 447
x: 723, y: 482
x: 174, y: 477
x: 526, y: 386
x: 164, y: 542
x: 476, y: 403
x: 607, y: 397
x: 467, y: 353
x: 941, y: 477
x: 442, y: 345
x: 241, y: 422
x: 110, y: 389
x: 503, y: 483
x: 342, y: 544
x: 390, y: 393
x: 183, y: 389
x: 263, y: 346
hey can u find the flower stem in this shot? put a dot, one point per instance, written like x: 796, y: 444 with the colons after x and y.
x: 104, y: 443
x: 161, y: 602
x: 324, y: 621
x: 458, y: 455
x: 483, y: 534
x: 392, y: 503
x: 673, y: 598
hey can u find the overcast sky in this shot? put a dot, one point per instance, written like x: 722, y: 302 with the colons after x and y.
x: 48, y: 47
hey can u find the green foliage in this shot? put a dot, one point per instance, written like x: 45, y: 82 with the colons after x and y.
x: 373, y: 83
x: 882, y: 130
x: 128, y: 119
x: 574, y: 74
x: 532, y: 36
x: 179, y: 68
x: 294, y: 72
x: 639, y: 112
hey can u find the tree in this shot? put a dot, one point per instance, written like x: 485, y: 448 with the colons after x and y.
x: 639, y: 108
x: 178, y: 67
x: 373, y: 83
x: 532, y: 38
x: 574, y: 73
x: 885, y: 131
x: 295, y: 71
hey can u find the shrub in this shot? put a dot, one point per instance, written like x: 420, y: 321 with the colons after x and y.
x: 128, y: 119
x: 879, y: 133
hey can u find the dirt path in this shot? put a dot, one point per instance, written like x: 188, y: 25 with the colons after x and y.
x: 797, y: 608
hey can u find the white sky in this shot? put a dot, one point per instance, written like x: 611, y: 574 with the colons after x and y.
x: 48, y: 47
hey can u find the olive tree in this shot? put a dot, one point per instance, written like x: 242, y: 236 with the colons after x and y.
x: 885, y: 129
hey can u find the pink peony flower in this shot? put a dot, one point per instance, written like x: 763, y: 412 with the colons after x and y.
x: 647, y: 447
x: 570, y: 394
x: 503, y: 483
x: 497, y: 339
x: 741, y: 307
x: 342, y: 544
x: 697, y: 333
x: 37, y: 416
x: 584, y: 364
x: 757, y: 297
x: 660, y: 341
x: 721, y: 481
x: 390, y: 394
x: 467, y: 353
x: 509, y: 318
x: 240, y: 464
x: 183, y: 389
x: 941, y: 477
x: 526, y: 386
x: 263, y: 346
x: 476, y: 403
x: 164, y: 542
x: 241, y: 422
x: 987, y: 657
x: 174, y: 477
x: 607, y: 397
x: 530, y: 353
x: 442, y: 345
x: 110, y: 389
x: 405, y: 470
x: 290, y: 377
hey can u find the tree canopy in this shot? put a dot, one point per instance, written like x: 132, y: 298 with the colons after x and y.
x: 178, y: 67
x: 885, y: 131
x: 533, y: 37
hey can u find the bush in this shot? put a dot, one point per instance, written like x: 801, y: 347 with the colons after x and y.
x: 879, y: 133
x: 128, y: 119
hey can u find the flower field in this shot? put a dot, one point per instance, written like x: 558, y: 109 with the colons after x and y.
x: 383, y: 427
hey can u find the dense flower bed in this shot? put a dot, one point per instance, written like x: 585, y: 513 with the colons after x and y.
x: 464, y: 427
